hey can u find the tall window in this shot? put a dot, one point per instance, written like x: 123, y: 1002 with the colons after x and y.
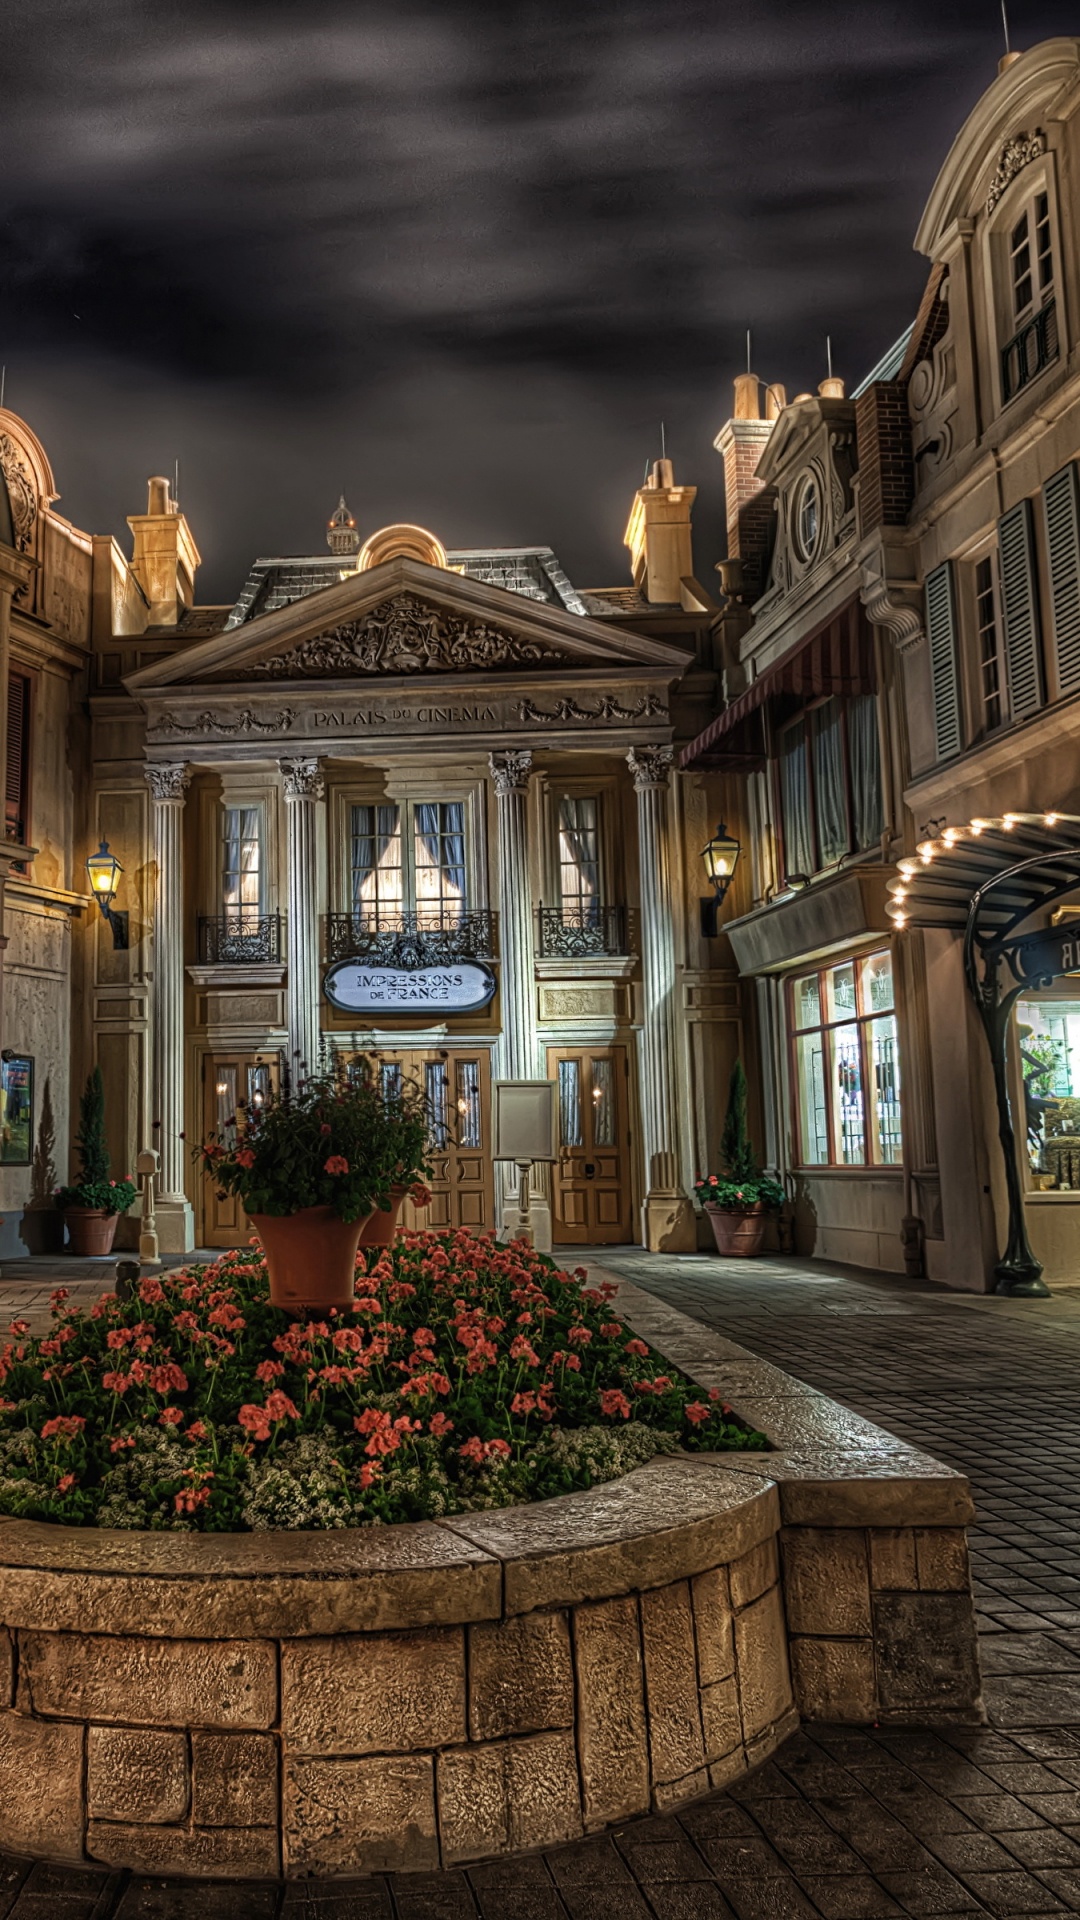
x: 16, y: 823
x: 1032, y: 311
x: 847, y: 1065
x: 241, y: 863
x: 1048, y: 1042
x: 409, y: 858
x: 579, y: 858
x: 988, y: 630
x: 830, y: 783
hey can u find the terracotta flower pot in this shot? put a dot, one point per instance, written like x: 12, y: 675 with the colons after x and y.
x: 91, y: 1230
x: 310, y: 1258
x: 383, y: 1224
x: 738, y: 1232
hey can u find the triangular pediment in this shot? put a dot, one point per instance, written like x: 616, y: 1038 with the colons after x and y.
x: 405, y: 619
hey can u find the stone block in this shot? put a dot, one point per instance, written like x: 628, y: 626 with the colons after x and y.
x: 753, y: 1573
x: 711, y: 1602
x: 360, y: 1816
x: 671, y: 1684
x: 135, y: 1775
x: 723, y: 1772
x: 7, y: 1669
x: 926, y: 1653
x: 233, y: 1853
x: 834, y: 1679
x: 612, y: 1742
x: 942, y: 1557
x: 721, y: 1722
x: 510, y: 1796
x: 41, y: 1788
x: 761, y: 1657
x: 374, y: 1693
x: 676, y: 1793
x: 826, y: 1580
x: 893, y: 1567
x: 234, y: 1779
x: 521, y: 1679
x: 161, y: 1683
x: 759, y: 1749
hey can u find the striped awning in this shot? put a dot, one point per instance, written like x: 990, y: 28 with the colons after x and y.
x: 837, y: 659
x: 935, y: 886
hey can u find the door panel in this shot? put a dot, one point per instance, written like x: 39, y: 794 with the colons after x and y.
x: 591, y: 1187
x: 228, y: 1080
x: 457, y: 1088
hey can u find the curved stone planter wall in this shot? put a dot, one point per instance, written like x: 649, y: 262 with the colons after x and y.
x: 405, y: 1697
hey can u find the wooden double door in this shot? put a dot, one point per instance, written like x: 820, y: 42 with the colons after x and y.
x: 233, y: 1084
x: 456, y: 1085
x: 591, y: 1197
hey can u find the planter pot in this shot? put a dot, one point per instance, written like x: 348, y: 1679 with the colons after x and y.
x: 310, y: 1258
x: 90, y: 1229
x: 738, y: 1233
x: 379, y: 1231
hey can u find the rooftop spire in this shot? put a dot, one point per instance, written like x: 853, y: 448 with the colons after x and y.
x: 341, y: 533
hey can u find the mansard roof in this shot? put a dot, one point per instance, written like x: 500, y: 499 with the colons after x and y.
x: 533, y: 572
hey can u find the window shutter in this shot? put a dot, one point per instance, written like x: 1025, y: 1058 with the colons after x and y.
x: 1061, y: 507
x: 18, y: 714
x: 1020, y: 610
x: 944, y: 681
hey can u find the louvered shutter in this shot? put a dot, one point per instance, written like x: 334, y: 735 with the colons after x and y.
x: 17, y: 726
x: 1061, y: 507
x: 1020, y: 610
x: 944, y: 680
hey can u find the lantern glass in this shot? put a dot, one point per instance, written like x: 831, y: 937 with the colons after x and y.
x: 721, y: 858
x: 103, y: 870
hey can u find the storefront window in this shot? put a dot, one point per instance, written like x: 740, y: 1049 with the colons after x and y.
x: 1048, y: 1033
x: 847, y: 1066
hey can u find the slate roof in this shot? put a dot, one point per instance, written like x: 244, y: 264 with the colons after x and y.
x: 889, y: 365
x: 532, y: 571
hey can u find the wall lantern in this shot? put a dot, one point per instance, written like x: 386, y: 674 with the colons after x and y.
x: 103, y: 871
x: 721, y: 858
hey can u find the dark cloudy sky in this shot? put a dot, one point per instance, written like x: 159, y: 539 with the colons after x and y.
x: 460, y: 258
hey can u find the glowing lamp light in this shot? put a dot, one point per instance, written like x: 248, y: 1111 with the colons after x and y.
x: 1051, y: 819
x: 721, y: 858
x: 103, y: 870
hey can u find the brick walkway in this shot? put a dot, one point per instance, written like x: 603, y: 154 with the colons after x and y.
x: 843, y: 1824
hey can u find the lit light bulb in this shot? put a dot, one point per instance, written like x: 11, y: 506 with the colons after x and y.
x: 1051, y: 819
x: 1009, y: 822
x: 222, y: 1086
x: 950, y: 836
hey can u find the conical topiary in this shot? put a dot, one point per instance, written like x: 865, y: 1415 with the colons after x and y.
x: 90, y: 1138
x: 736, y: 1152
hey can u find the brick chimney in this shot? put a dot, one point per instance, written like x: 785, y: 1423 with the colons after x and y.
x: 741, y: 443
x: 165, y: 556
x: 658, y: 536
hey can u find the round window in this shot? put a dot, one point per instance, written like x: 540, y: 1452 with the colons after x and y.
x: 807, y: 518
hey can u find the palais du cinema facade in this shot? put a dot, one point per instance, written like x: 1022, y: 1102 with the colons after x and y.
x: 449, y: 807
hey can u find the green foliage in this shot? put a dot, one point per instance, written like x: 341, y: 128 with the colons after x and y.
x: 94, y: 1188
x: 466, y: 1375
x: 738, y: 1196
x: 736, y: 1153
x: 742, y: 1184
x: 115, y: 1196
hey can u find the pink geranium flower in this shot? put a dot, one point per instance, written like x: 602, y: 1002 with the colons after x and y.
x: 337, y: 1163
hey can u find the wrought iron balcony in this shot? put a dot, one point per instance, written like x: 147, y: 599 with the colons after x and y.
x: 410, y: 939
x: 1030, y: 350
x: 570, y: 933
x: 241, y: 940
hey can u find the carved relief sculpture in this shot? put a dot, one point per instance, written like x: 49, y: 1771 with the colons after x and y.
x: 247, y: 721
x: 168, y: 779
x: 650, y: 766
x: 22, y: 492
x: 402, y: 635
x: 608, y: 707
x: 510, y: 771
x: 1016, y: 154
x: 302, y: 779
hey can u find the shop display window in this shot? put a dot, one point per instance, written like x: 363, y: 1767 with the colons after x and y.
x: 1048, y: 1038
x: 847, y: 1064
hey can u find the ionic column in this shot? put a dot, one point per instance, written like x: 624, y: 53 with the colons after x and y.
x: 303, y: 783
x: 668, y: 1224
x: 168, y: 783
x: 518, y: 1052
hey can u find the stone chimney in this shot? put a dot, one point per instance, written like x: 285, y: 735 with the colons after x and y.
x: 165, y: 556
x: 741, y: 443
x: 658, y: 536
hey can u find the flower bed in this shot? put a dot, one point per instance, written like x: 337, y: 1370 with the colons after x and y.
x: 465, y: 1376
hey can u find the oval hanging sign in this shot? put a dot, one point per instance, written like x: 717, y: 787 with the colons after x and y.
x: 463, y: 987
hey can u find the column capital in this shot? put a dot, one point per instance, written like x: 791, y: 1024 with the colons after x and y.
x: 650, y: 766
x: 302, y: 779
x: 168, y: 779
x: 511, y: 770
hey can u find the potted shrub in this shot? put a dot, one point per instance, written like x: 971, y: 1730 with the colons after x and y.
x: 311, y: 1166
x: 92, y: 1207
x: 739, y: 1200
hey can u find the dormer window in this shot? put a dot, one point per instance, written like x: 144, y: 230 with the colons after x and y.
x: 807, y: 518
x: 1032, y: 309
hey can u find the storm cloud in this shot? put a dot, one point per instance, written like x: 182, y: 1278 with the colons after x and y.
x: 459, y: 260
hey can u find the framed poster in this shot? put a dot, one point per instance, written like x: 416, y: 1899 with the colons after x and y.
x: 525, y: 1120
x: 16, y: 1109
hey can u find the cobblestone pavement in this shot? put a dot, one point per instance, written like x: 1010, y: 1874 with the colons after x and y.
x: 843, y: 1824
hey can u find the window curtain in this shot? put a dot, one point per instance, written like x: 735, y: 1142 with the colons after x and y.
x: 577, y: 850
x: 242, y: 861
x: 795, y: 800
x: 440, y: 830
x: 865, y: 757
x: 832, y: 823
x: 373, y: 831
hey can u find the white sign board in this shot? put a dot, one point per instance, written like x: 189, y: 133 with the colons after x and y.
x: 524, y: 1117
x: 463, y: 987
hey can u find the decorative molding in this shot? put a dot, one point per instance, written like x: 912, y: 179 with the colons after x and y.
x: 650, y: 766
x: 22, y: 492
x: 1017, y: 153
x: 302, y: 779
x: 650, y: 707
x: 902, y: 617
x: 510, y: 771
x: 168, y: 779
x: 247, y: 721
x: 402, y: 635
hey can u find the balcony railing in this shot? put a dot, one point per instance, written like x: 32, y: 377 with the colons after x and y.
x: 569, y: 933
x: 241, y: 940
x: 410, y: 939
x: 1030, y: 350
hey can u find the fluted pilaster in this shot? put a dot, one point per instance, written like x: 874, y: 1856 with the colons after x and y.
x: 510, y: 773
x: 168, y: 783
x: 668, y: 1219
x: 303, y: 783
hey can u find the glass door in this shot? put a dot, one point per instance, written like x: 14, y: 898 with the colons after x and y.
x: 591, y: 1188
